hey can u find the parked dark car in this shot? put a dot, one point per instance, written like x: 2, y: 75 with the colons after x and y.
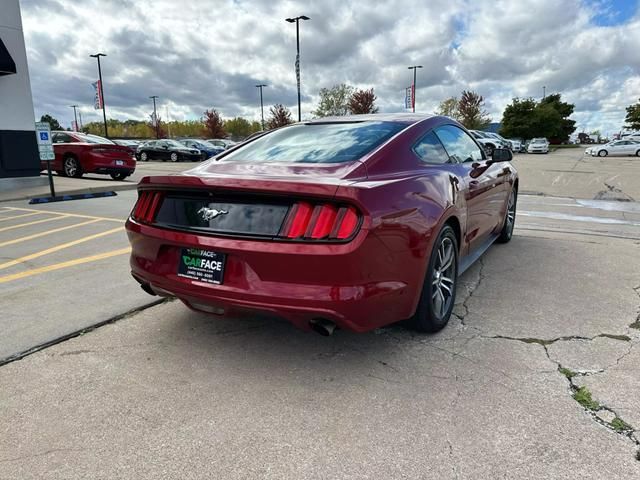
x: 132, y: 145
x: 167, y: 150
x: 79, y: 153
x: 208, y: 150
x: 349, y: 222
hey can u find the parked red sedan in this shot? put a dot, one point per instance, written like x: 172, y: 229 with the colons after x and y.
x: 355, y: 222
x: 80, y: 153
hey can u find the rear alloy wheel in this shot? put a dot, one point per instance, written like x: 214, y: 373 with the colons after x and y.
x: 439, y: 289
x: 119, y: 176
x: 144, y: 157
x: 174, y: 157
x: 489, y: 149
x: 510, y: 218
x: 603, y: 153
x: 72, y: 167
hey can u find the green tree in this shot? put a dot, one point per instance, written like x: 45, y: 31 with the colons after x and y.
x: 548, y: 118
x: 334, y: 101
x: 517, y: 119
x: 55, y: 125
x: 448, y: 108
x: 633, y: 117
x: 566, y: 126
x: 471, y: 112
x: 279, y: 116
x: 240, y: 128
x: 362, y: 102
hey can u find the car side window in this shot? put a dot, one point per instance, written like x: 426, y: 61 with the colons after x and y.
x: 62, y: 138
x: 459, y: 145
x: 430, y: 150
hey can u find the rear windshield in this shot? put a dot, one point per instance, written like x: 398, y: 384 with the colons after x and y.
x: 317, y: 143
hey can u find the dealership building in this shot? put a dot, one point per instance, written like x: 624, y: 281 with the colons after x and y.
x: 19, y: 160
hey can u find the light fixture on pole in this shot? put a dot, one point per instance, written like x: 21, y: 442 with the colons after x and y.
x: 413, y: 89
x: 104, y: 107
x: 261, y: 86
x: 296, y: 20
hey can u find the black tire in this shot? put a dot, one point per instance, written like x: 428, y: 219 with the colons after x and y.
x: 430, y: 317
x: 61, y: 173
x: 638, y: 153
x: 119, y: 176
x: 71, y: 167
x: 509, y: 218
x: 603, y: 153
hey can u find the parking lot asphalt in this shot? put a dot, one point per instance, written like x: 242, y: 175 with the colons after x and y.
x: 168, y: 393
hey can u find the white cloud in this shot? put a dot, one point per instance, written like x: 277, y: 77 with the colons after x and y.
x: 197, y: 55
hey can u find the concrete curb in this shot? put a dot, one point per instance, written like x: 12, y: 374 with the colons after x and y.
x: 80, y: 191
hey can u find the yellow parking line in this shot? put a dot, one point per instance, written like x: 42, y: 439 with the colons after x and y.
x: 31, y: 223
x: 70, y: 263
x: 107, y: 219
x: 57, y: 248
x: 2, y: 219
x: 47, y: 232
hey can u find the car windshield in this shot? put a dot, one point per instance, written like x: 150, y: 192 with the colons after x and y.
x: 88, y: 138
x: 538, y: 140
x: 317, y: 143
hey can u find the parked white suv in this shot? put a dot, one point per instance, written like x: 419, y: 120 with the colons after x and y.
x: 538, y: 145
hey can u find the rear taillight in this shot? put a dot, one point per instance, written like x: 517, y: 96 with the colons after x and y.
x: 325, y: 221
x: 146, y: 206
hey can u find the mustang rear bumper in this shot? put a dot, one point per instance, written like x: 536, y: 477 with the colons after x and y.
x: 358, y: 285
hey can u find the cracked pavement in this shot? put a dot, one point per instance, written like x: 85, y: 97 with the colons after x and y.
x: 168, y: 393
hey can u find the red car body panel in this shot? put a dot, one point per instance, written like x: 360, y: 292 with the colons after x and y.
x: 372, y: 280
x: 93, y: 157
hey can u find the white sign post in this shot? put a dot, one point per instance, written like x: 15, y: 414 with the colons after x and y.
x: 45, y: 148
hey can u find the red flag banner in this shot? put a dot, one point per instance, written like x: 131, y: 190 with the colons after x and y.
x: 97, y: 100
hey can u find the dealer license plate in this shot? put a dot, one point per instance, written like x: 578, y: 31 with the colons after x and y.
x: 202, y: 265
x: 119, y: 162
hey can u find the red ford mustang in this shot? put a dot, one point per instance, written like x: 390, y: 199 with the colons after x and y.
x: 350, y: 222
x: 79, y: 153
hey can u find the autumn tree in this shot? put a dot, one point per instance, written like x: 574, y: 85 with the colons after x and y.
x: 279, y: 116
x: 632, y: 119
x: 161, y: 129
x: 55, y: 125
x: 334, y: 101
x: 213, y: 124
x: 362, y: 101
x: 448, y: 108
x: 471, y: 112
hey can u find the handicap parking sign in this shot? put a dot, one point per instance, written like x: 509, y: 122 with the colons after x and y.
x: 44, y: 136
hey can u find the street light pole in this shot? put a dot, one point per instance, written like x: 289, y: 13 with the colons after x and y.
x: 155, y: 115
x: 544, y: 92
x: 413, y: 96
x: 261, y: 103
x: 104, y: 107
x: 297, y: 22
x: 75, y: 117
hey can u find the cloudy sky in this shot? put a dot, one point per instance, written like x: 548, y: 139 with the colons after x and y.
x: 197, y: 54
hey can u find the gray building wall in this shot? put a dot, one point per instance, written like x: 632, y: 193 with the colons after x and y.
x: 18, y: 148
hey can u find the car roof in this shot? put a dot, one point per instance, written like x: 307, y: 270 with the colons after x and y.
x: 406, y: 118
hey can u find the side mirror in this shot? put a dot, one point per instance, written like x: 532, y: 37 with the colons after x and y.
x: 501, y: 155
